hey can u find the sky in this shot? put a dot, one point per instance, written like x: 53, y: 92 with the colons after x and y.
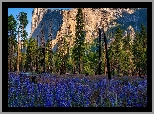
x: 15, y: 11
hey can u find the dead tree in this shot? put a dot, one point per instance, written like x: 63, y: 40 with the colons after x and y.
x: 100, y: 53
x: 108, y: 64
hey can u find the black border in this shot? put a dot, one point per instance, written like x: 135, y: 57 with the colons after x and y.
x: 6, y: 5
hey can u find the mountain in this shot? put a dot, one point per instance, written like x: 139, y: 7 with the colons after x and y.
x: 61, y: 23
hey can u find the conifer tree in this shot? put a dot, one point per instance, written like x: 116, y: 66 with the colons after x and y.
x: 12, y: 24
x: 79, y: 48
x: 31, y: 54
x: 22, y: 23
x: 117, y: 44
x: 140, y: 51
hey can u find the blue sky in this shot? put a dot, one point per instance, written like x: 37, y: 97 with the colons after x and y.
x: 15, y: 11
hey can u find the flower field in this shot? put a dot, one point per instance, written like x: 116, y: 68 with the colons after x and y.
x: 76, y: 91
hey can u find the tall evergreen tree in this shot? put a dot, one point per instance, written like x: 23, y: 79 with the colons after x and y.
x: 22, y: 23
x: 111, y: 52
x: 79, y: 48
x: 63, y: 51
x: 31, y: 55
x: 140, y: 51
x: 91, y: 58
x: 12, y: 24
x: 126, y: 55
x: 143, y: 35
x: 117, y: 44
x: 136, y: 51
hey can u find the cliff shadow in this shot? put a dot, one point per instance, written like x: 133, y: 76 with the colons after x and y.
x: 52, y: 22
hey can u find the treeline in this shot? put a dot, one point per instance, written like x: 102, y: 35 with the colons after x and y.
x: 127, y: 56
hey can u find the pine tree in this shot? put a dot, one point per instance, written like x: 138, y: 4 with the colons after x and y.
x: 56, y: 62
x: 63, y: 51
x: 79, y: 48
x: 140, y: 51
x: 12, y: 24
x: 37, y: 51
x: 111, y: 53
x: 143, y: 36
x: 88, y: 59
x: 49, y: 53
x: 31, y: 54
x: 22, y: 23
x: 23, y: 52
x: 117, y: 44
x: 126, y: 55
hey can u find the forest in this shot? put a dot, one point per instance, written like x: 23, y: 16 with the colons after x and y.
x: 126, y: 56
x: 120, y: 57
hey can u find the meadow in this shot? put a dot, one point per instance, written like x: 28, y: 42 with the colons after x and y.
x: 76, y: 91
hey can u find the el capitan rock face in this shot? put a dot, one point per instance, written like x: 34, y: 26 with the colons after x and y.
x: 59, y: 23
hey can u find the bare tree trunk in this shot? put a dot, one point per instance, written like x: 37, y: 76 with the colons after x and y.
x: 108, y: 64
x: 21, y: 45
x: 12, y: 66
x: 100, y: 53
x: 18, y: 54
x: 104, y: 62
x: 11, y: 52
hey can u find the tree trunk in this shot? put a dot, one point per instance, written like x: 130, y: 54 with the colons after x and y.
x: 139, y: 72
x: 10, y: 54
x: 79, y: 63
x: 44, y: 61
x: 104, y: 62
x: 108, y: 64
x: 21, y: 67
x: 51, y: 57
x: 18, y: 53
x: 100, y: 61
x: 12, y: 66
x: 74, y: 70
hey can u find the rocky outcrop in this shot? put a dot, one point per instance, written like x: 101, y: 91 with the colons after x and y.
x: 58, y: 24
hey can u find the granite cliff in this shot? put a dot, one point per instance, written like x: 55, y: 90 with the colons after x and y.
x: 59, y: 23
